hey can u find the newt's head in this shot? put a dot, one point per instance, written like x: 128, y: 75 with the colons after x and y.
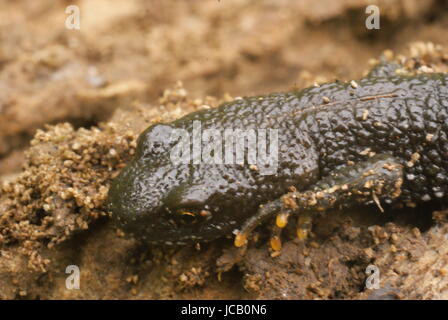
x: 160, y: 201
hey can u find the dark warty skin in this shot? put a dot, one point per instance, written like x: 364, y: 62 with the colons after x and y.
x: 381, y: 139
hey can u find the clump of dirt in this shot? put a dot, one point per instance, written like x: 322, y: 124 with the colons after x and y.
x: 409, y: 263
x: 80, y: 99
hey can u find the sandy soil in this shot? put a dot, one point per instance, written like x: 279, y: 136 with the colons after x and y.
x: 72, y: 103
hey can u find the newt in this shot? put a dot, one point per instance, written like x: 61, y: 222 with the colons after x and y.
x: 382, y: 139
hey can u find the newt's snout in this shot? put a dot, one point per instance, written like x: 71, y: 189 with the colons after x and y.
x: 157, y: 200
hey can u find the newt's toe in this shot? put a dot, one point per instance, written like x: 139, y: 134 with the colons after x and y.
x: 240, y: 239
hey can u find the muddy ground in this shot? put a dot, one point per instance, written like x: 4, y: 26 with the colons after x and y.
x: 72, y: 103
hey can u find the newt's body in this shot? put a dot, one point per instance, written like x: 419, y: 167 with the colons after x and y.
x: 382, y: 139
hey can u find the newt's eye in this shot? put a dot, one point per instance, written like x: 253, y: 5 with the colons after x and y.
x: 187, y: 212
x: 188, y: 216
x: 191, y: 216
